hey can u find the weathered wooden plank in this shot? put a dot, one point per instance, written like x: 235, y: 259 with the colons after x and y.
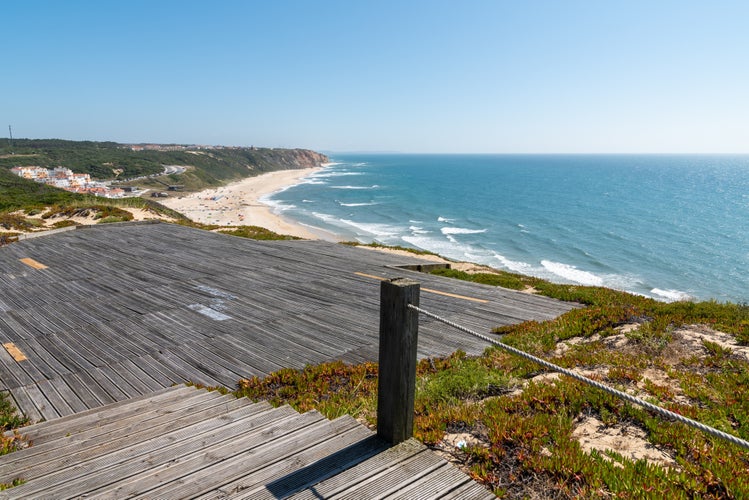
x: 42, y: 404
x: 36, y: 325
x: 184, y: 369
x: 101, y: 442
x: 88, y: 475
x: 113, y: 390
x: 63, y: 355
x: 158, y: 371
x: 203, y: 367
x: 85, y: 420
x: 127, y: 331
x: 394, y: 478
x: 25, y: 405
x: 41, y: 359
x: 360, y: 472
x: 469, y: 491
x: 61, y: 406
x: 304, y: 469
x: 82, y: 391
x: 101, y: 354
x: 68, y: 395
x: 240, y: 457
x: 432, y: 485
x: 233, y: 370
x: 261, y: 364
x: 8, y: 370
x: 136, y: 373
x: 268, y: 341
x: 124, y: 380
x: 96, y: 389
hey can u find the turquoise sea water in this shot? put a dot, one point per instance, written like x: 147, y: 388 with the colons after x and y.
x: 669, y: 227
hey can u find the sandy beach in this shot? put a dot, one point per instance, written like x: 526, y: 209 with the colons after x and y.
x: 239, y: 203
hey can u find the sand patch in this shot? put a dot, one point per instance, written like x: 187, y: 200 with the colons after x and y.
x: 454, y: 445
x: 240, y: 204
x: 471, y: 268
x: 45, y: 224
x: 692, y: 338
x: 628, y: 440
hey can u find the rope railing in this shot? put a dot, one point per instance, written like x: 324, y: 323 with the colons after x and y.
x: 623, y: 395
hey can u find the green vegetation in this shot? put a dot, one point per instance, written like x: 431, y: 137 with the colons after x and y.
x: 389, y: 247
x: 109, y: 160
x: 100, y: 212
x: 9, y: 420
x: 23, y: 201
x: 22, y: 194
x: 251, y: 232
x: 521, y: 427
x: 500, y: 278
x: 13, y: 484
x: 256, y: 233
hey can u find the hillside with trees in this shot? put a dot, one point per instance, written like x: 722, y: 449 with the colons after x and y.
x: 206, y: 165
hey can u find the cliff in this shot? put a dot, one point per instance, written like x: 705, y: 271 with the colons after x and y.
x: 266, y: 159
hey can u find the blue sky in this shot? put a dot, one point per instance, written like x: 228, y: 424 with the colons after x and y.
x: 598, y: 76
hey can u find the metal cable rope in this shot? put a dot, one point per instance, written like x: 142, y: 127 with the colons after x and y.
x: 623, y: 395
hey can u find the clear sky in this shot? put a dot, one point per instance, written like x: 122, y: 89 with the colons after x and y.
x: 494, y: 76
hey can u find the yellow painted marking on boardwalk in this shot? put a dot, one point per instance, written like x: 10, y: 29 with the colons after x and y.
x: 429, y: 290
x: 14, y: 351
x: 371, y: 276
x: 456, y: 296
x: 33, y: 263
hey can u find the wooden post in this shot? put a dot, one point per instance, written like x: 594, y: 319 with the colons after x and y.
x: 399, y: 328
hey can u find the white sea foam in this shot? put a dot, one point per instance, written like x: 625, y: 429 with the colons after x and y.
x: 308, y: 201
x: 572, y: 273
x: 357, y: 204
x: 276, y: 205
x: 375, y: 229
x: 460, y: 230
x: 515, y: 266
x: 445, y: 219
x: 437, y: 245
x: 325, y: 217
x: 374, y: 186
x: 418, y: 230
x: 671, y: 295
x: 326, y: 174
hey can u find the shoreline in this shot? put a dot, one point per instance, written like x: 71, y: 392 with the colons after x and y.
x: 240, y: 204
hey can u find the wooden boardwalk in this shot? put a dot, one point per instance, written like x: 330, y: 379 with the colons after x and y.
x: 103, y: 314
x: 187, y: 443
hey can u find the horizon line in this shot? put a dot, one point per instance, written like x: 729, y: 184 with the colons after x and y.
x: 387, y: 151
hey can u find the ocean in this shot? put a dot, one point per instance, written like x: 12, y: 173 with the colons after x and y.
x: 671, y: 227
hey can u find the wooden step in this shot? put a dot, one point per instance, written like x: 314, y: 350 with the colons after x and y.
x: 184, y: 442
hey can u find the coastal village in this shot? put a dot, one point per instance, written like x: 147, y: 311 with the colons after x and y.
x: 65, y: 178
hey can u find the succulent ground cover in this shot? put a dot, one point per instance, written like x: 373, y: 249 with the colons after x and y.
x: 526, y: 432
